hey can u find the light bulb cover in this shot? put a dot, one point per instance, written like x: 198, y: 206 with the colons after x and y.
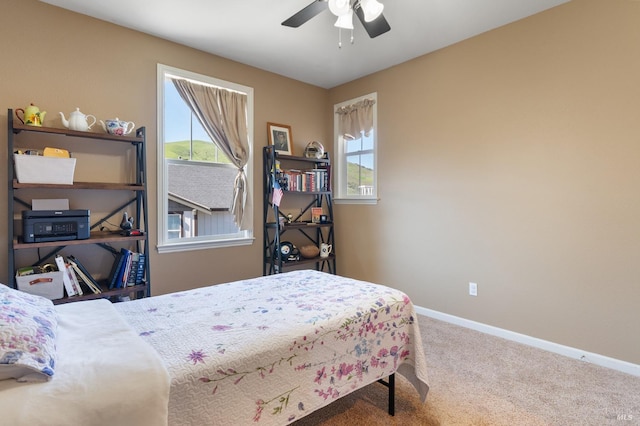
x: 339, y: 7
x: 371, y: 8
x: 345, y: 21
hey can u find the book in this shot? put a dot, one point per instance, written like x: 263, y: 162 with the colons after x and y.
x: 316, y: 212
x: 321, y: 179
x: 74, y: 279
x: 81, y: 278
x: 90, y: 281
x: 69, y: 284
x: 141, y: 268
x: 126, y: 266
x: 115, y: 269
x: 133, y: 269
x: 84, y: 274
x: 326, y: 185
x: 76, y: 275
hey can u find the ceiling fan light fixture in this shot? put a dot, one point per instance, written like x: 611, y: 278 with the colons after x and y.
x: 345, y: 21
x: 371, y: 8
x: 369, y: 14
x: 339, y: 7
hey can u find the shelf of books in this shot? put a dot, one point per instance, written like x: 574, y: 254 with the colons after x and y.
x: 312, y: 180
x: 75, y: 282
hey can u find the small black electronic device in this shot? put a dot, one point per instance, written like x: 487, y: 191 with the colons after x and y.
x: 55, y: 225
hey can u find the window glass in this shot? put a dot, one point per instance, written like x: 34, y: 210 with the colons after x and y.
x: 196, y: 180
x: 355, y: 179
x: 360, y: 174
x: 185, y: 138
x: 174, y: 225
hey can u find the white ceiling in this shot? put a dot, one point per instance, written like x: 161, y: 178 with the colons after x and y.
x: 250, y: 31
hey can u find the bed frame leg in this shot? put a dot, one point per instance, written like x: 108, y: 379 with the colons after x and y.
x: 391, y: 384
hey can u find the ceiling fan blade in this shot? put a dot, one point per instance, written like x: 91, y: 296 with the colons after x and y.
x: 305, y: 14
x: 374, y: 28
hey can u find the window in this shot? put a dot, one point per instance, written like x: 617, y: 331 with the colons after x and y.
x: 174, y: 225
x: 355, y: 180
x: 195, y: 177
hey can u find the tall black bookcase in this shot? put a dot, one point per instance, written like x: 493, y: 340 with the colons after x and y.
x: 306, y: 184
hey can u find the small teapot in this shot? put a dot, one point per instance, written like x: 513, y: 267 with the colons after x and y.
x: 118, y: 127
x: 31, y: 115
x: 78, y: 121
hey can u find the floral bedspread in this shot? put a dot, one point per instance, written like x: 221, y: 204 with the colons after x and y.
x: 270, y: 350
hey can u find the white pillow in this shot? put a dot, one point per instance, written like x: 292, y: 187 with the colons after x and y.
x: 28, y: 327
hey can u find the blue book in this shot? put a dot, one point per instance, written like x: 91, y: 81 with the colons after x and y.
x: 115, y: 270
x: 124, y: 270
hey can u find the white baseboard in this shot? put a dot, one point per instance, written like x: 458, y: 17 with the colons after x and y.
x: 593, y: 358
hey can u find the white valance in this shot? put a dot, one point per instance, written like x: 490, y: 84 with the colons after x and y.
x: 356, y: 118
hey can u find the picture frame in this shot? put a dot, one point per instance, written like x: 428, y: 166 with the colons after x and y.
x: 280, y: 137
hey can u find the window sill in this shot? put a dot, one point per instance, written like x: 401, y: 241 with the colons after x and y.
x: 203, y: 245
x: 359, y: 200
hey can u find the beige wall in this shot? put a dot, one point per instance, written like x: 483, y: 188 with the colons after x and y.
x: 510, y: 160
x: 513, y: 160
x: 61, y: 60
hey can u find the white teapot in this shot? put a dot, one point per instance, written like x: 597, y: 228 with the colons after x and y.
x: 78, y: 121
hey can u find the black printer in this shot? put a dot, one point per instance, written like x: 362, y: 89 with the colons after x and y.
x: 55, y: 225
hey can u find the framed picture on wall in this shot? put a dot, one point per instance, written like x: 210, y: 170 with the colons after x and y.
x: 280, y: 137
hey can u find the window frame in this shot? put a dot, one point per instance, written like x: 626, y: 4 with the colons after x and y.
x: 243, y: 237
x: 340, y: 157
x: 179, y: 230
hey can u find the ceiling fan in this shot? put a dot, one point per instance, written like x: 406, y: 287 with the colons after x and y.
x: 369, y: 12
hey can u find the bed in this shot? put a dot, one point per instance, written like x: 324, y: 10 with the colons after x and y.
x: 264, y: 351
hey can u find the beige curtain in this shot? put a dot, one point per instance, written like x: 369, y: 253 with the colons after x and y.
x: 356, y: 118
x: 223, y: 114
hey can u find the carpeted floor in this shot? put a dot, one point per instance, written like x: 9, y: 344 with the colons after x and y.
x: 477, y: 379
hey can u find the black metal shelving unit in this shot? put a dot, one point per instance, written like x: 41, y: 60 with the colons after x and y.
x: 277, y: 224
x: 102, y: 239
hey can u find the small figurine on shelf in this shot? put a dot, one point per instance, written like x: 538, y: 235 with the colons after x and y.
x: 127, y: 222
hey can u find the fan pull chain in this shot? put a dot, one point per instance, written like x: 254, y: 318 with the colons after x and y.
x: 340, y: 38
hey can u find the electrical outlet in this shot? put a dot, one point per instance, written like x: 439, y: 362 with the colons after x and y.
x: 473, y: 289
